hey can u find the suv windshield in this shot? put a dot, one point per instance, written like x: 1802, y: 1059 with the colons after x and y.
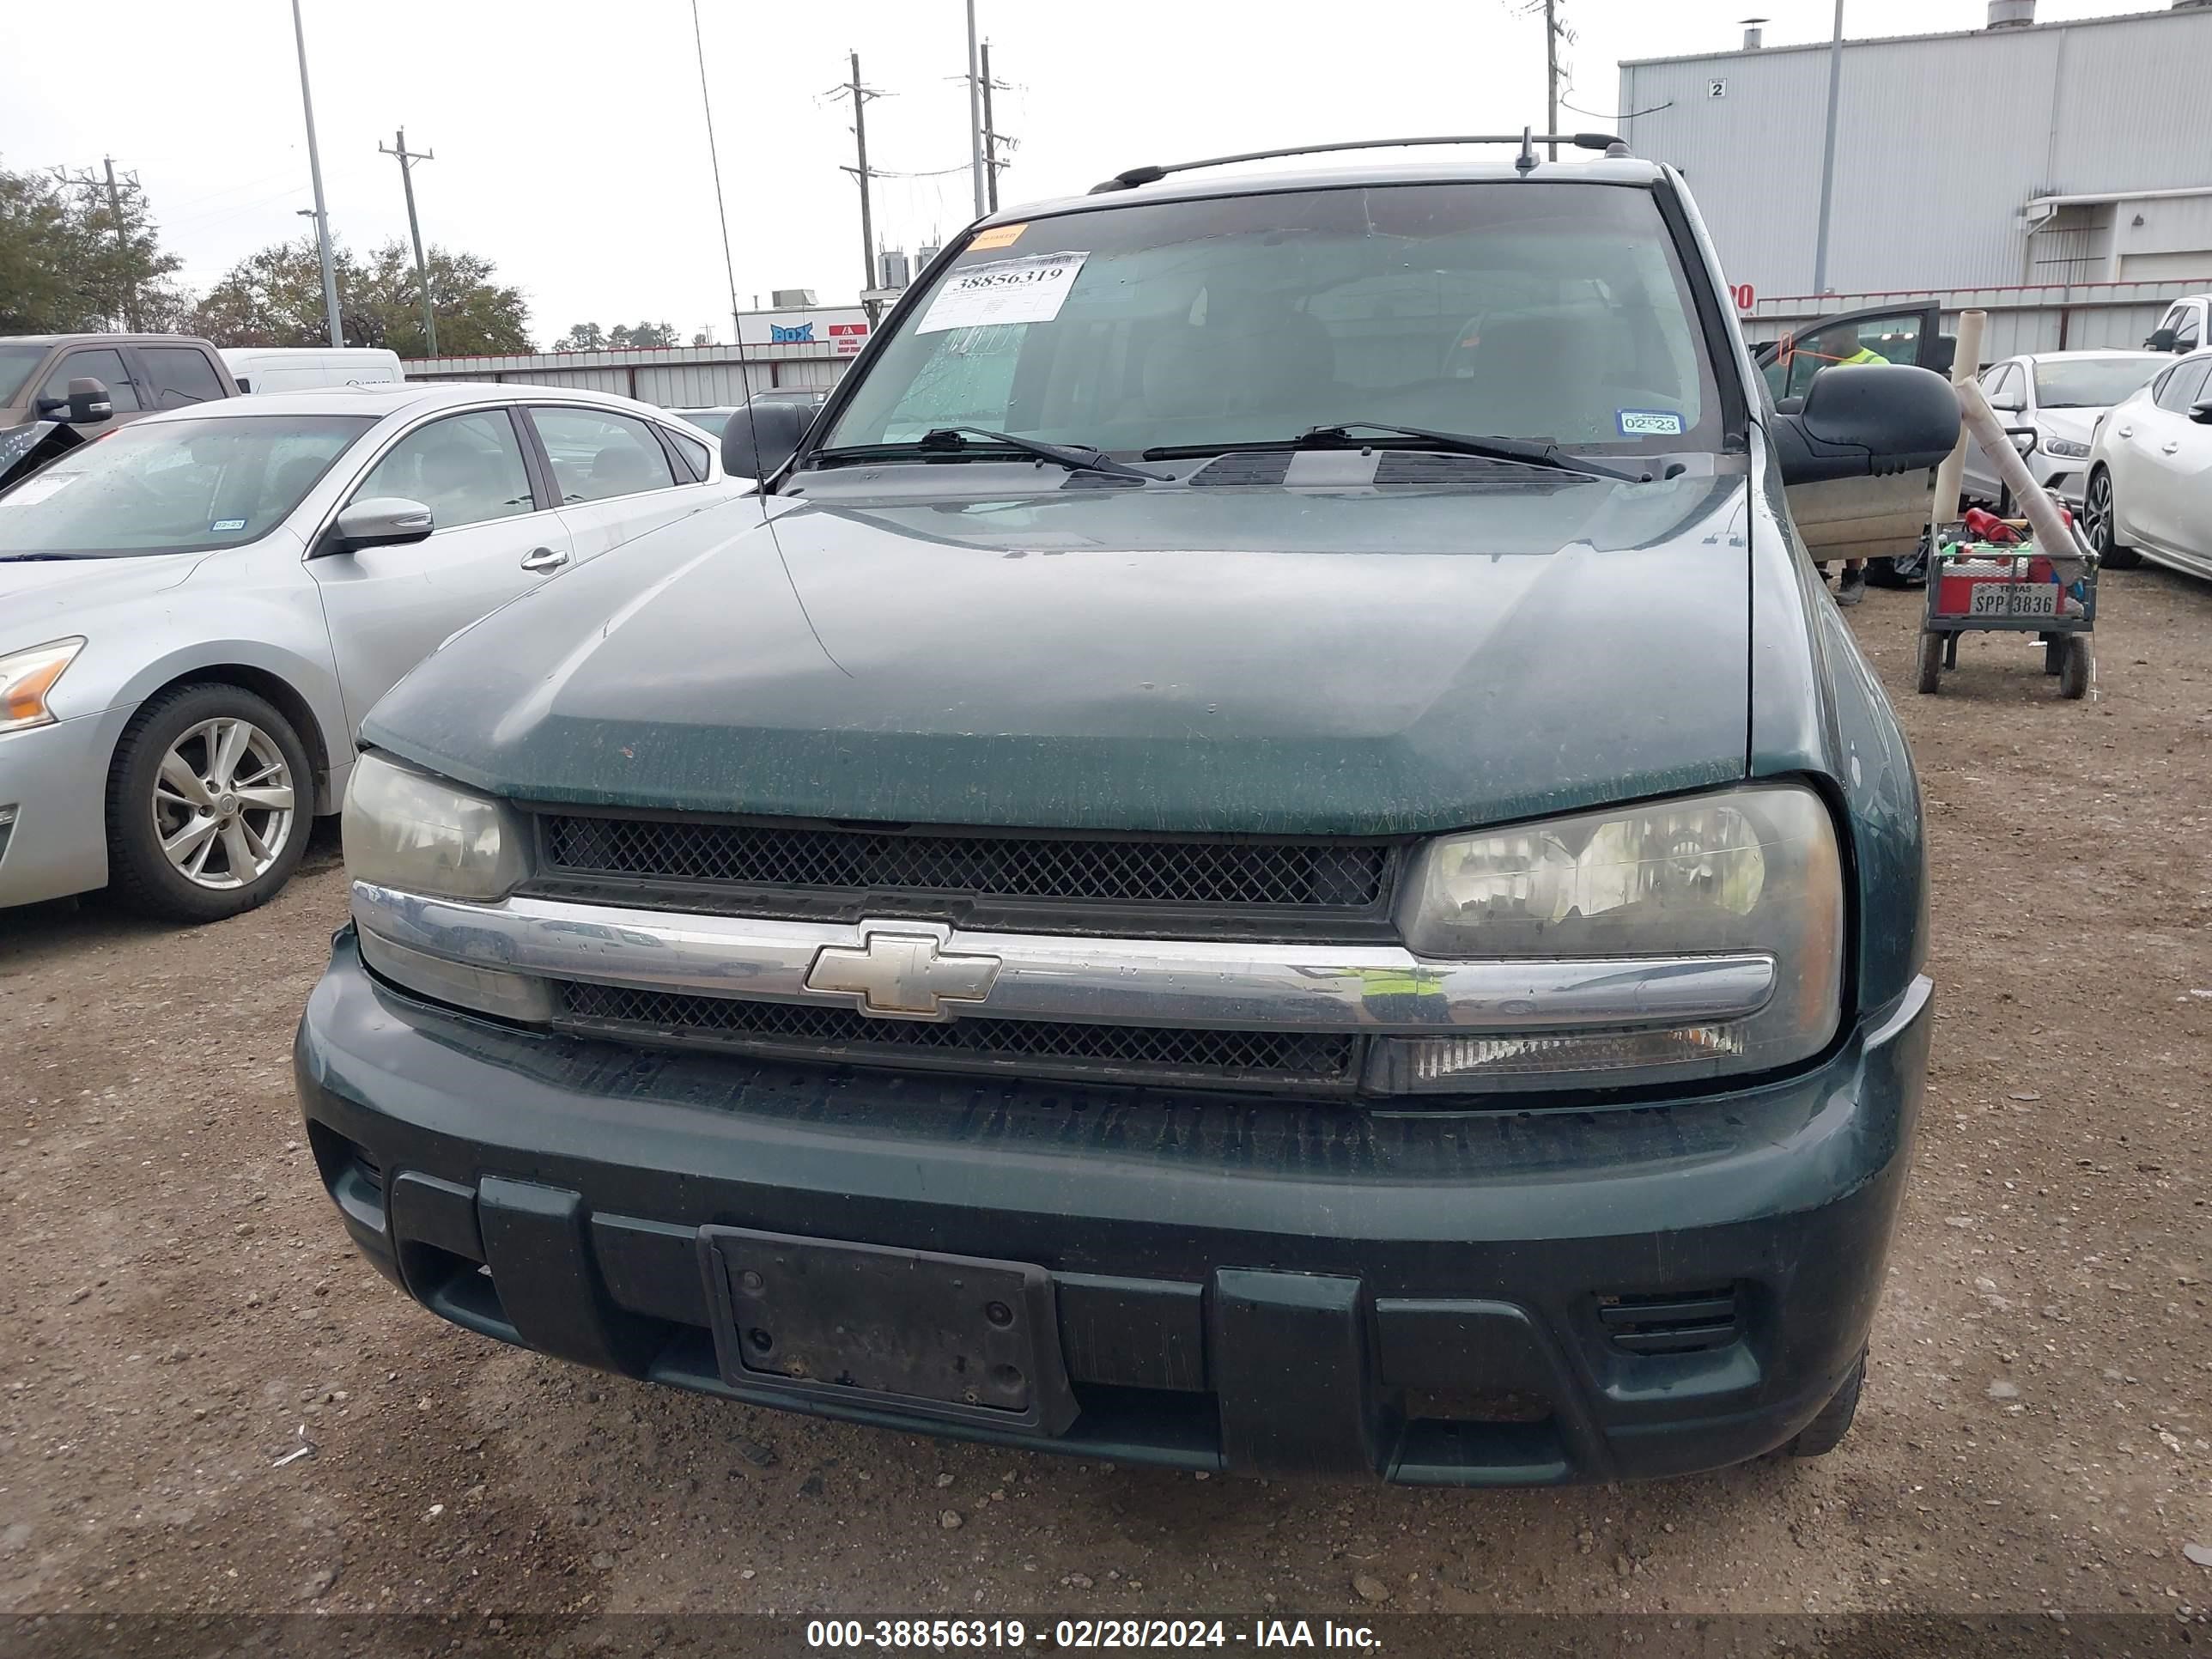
x: 16, y: 362
x: 1555, y: 312
x: 173, y: 486
x: 2092, y: 382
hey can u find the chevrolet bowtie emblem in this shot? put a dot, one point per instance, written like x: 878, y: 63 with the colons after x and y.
x: 903, y: 975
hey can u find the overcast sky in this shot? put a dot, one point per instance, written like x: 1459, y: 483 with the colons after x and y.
x: 571, y: 149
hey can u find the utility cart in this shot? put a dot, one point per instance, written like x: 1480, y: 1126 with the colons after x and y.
x: 1987, y: 577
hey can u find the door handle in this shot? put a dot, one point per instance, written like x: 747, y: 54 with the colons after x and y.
x: 2169, y: 449
x: 2127, y: 432
x: 545, y: 558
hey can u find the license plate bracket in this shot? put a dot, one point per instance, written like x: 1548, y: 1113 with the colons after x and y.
x: 952, y: 1338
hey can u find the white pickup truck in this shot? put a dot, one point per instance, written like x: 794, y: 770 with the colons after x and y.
x: 2187, y: 325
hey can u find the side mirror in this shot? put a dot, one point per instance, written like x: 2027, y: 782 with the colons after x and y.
x: 380, y: 521
x: 2202, y: 413
x: 87, y: 405
x: 1868, y: 421
x: 2161, y: 339
x: 762, y: 436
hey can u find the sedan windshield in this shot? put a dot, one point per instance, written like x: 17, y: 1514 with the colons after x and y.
x: 173, y: 486
x: 2093, y: 382
x: 1520, y: 309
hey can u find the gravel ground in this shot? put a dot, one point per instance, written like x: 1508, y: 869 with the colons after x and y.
x: 184, y: 1313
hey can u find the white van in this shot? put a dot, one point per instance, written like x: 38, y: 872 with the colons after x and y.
x: 301, y: 369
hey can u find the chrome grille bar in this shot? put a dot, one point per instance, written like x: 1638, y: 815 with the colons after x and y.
x: 929, y: 970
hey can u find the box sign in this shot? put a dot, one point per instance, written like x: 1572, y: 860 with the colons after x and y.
x: 841, y: 331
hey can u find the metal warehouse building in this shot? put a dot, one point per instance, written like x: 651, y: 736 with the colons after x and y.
x: 782, y: 349
x: 2020, y: 153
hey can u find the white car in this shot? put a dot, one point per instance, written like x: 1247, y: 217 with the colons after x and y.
x: 2061, y: 395
x: 197, y: 609
x: 2150, y: 473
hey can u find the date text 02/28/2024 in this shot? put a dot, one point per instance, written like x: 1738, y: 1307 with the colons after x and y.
x: 940, y: 1634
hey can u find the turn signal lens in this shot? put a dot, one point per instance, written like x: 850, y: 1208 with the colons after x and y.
x: 26, y: 679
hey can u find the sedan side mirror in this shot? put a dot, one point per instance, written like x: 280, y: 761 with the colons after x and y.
x: 2161, y: 339
x: 2202, y: 413
x: 380, y: 521
x: 1868, y: 421
x: 762, y: 436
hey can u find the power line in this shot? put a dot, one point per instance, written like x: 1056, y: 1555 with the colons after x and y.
x: 415, y: 230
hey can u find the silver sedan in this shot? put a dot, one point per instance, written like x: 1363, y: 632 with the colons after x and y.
x: 196, y: 609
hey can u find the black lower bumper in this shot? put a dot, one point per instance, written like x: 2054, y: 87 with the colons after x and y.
x: 1257, y: 1284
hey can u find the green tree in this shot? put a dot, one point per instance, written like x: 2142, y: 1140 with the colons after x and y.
x: 68, y: 262
x: 645, y: 334
x: 477, y: 316
x: 274, y: 298
x: 582, y: 337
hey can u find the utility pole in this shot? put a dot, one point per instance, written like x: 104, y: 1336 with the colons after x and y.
x: 415, y: 230
x: 1552, y: 70
x: 975, y: 114
x: 861, y: 94
x: 1828, y: 154
x: 991, y: 161
x: 315, y: 172
x: 122, y: 244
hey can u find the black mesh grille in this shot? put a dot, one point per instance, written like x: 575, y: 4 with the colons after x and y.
x: 1260, y: 1056
x: 1342, y: 875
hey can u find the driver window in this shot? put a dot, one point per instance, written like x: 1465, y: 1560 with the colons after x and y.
x: 466, y: 469
x: 1861, y: 340
x: 2184, y: 385
x: 104, y: 365
x: 2186, y: 337
x: 2007, y: 393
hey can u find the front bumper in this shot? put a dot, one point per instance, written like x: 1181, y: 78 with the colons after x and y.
x: 1256, y: 1284
x: 55, y: 777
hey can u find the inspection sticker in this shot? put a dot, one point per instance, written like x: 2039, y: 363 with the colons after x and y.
x: 1030, y: 290
x: 997, y: 236
x: 227, y: 523
x: 1649, y: 422
x: 31, y: 491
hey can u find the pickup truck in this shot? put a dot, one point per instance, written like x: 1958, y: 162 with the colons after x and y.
x: 1261, y: 853
x: 2186, y: 327
x: 56, y: 389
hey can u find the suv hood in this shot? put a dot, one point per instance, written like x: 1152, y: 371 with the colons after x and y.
x: 1255, y: 660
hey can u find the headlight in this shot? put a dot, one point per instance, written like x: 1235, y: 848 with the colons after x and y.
x: 2066, y: 448
x: 408, y: 831
x: 1752, y: 871
x: 26, y: 679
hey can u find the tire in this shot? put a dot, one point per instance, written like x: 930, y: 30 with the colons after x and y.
x: 2103, y: 523
x: 223, y: 778
x: 1931, y: 664
x: 2074, y: 672
x: 1825, y: 1432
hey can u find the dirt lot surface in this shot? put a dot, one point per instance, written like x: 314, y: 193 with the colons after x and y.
x: 181, y: 1309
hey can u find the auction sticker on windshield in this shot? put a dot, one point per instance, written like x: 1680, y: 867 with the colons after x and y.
x: 31, y: 491
x: 1030, y: 290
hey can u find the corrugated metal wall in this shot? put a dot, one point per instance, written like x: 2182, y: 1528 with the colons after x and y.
x: 2102, y: 314
x: 1940, y: 141
x: 675, y: 377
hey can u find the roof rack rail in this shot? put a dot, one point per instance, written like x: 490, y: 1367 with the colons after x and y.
x: 1528, y: 138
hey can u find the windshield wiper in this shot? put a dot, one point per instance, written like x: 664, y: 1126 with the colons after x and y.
x: 951, y: 442
x: 1525, y: 452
